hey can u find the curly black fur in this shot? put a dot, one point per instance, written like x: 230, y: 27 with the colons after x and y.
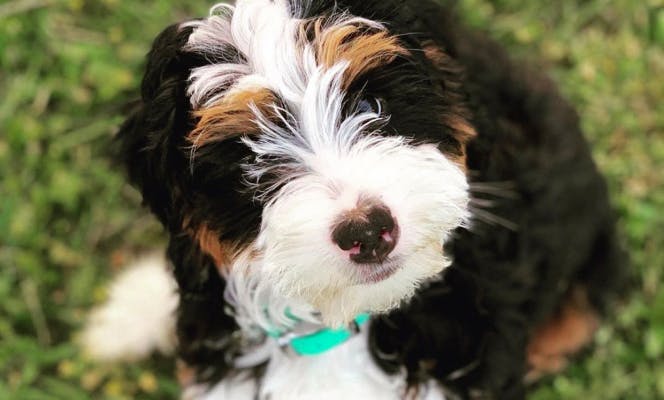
x: 470, y: 329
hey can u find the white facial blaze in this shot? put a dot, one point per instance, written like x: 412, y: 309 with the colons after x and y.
x: 331, y: 160
x: 263, y: 32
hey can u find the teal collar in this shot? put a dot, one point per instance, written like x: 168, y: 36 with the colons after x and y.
x: 318, y: 341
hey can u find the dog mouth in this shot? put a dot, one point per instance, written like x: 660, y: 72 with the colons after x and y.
x: 375, y: 272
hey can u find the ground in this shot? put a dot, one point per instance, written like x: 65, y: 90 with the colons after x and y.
x: 68, y: 221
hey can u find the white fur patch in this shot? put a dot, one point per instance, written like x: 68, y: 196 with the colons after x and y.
x: 344, y: 372
x: 138, y: 317
x: 297, y: 261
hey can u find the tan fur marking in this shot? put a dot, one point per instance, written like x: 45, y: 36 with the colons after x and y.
x: 208, y: 240
x: 456, y: 119
x: 464, y: 131
x: 435, y: 54
x: 561, y: 336
x: 362, y: 49
x: 232, y: 116
x: 185, y: 374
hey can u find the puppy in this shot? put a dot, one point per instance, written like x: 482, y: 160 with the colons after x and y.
x: 366, y: 199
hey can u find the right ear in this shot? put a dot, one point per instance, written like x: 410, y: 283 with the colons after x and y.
x: 151, y: 140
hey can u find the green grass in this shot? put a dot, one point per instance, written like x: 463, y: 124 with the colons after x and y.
x: 68, y: 220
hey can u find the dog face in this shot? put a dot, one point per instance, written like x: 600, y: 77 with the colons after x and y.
x: 317, y: 159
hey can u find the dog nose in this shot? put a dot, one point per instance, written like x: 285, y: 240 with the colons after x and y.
x: 369, y: 235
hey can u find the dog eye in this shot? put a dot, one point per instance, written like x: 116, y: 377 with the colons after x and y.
x: 373, y: 105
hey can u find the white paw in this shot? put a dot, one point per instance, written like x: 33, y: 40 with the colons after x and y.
x: 138, y: 317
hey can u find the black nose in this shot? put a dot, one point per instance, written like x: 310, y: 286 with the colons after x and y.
x: 369, y: 235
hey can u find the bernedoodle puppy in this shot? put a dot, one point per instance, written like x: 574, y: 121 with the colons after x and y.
x: 364, y: 199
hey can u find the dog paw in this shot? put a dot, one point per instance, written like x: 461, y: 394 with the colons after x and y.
x: 138, y: 316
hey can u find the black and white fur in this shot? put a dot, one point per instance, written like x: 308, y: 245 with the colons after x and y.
x: 495, y: 229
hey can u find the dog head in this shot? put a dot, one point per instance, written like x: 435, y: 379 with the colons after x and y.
x: 316, y: 158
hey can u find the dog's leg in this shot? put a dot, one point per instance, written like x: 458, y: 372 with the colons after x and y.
x: 572, y: 327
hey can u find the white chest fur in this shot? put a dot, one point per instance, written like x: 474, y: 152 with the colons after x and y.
x: 345, y: 372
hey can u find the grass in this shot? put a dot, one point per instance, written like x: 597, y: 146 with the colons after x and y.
x: 68, y: 221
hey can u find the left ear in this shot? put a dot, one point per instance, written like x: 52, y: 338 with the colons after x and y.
x: 151, y: 146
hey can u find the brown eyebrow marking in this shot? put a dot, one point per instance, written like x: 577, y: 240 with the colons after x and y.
x: 231, y: 116
x: 362, y: 47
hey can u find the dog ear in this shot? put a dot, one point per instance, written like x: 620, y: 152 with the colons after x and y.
x: 151, y: 140
x: 151, y: 144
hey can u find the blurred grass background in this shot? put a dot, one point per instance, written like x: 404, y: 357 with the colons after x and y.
x: 68, y: 221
